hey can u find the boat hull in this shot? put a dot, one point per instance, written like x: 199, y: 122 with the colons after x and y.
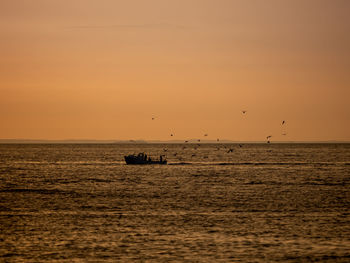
x: 131, y: 159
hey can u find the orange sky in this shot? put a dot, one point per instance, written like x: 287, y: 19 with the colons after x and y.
x: 102, y: 69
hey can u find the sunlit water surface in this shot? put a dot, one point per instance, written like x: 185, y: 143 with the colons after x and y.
x: 259, y: 203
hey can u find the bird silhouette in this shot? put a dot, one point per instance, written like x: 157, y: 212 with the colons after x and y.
x: 283, y: 122
x: 284, y: 134
x: 206, y: 134
x: 171, y: 134
x: 244, y: 111
x: 152, y: 118
x: 268, y: 137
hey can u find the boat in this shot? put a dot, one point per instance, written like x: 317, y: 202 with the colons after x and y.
x: 142, y: 158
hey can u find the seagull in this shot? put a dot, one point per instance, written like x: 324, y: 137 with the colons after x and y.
x: 152, y: 118
x: 206, y: 134
x: 268, y: 137
x: 284, y: 134
x: 171, y: 134
x: 244, y: 111
x: 283, y: 122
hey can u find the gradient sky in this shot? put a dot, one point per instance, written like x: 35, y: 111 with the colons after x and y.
x: 83, y: 69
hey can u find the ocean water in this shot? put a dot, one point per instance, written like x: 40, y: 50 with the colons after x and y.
x: 258, y: 203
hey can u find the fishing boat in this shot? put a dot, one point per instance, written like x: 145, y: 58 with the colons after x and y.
x: 142, y: 158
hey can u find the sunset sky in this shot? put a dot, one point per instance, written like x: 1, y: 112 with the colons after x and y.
x: 88, y: 69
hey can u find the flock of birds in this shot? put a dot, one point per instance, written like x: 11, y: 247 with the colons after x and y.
x: 268, y: 137
x: 229, y: 150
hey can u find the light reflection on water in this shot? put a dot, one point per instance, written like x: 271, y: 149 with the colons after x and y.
x: 260, y: 203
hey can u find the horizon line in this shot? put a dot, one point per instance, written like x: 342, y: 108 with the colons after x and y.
x: 143, y: 141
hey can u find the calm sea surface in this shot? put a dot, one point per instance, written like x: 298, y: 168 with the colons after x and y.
x: 258, y: 203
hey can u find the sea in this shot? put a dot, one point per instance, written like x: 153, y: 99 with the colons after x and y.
x: 262, y: 202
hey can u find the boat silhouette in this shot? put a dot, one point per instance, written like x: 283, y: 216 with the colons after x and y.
x: 142, y: 158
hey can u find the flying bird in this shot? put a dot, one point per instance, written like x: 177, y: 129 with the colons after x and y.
x: 268, y: 138
x: 244, y: 111
x: 283, y: 122
x: 284, y: 134
x: 171, y: 134
x: 206, y: 134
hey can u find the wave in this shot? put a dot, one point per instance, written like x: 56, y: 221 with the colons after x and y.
x: 181, y: 163
x: 101, y: 163
x: 38, y: 191
x: 264, y: 163
x: 69, y: 163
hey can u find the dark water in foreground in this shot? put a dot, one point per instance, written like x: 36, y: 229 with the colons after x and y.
x: 260, y: 203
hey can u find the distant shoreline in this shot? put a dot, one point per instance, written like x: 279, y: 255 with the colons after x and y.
x: 193, y: 141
